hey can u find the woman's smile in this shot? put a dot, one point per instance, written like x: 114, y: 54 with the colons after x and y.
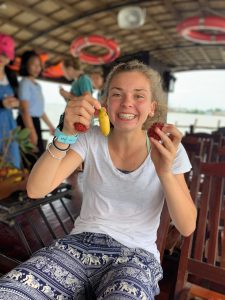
x: 126, y: 116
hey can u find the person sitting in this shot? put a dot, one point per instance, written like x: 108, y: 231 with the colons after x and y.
x: 111, y: 252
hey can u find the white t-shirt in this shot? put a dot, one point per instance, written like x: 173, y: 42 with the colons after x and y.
x: 126, y: 207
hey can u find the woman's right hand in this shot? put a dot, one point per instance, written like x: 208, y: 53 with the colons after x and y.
x: 10, y: 102
x: 79, y: 110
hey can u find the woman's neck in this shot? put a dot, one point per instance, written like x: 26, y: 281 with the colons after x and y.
x: 32, y: 78
x: 78, y: 73
x: 127, y: 151
x: 126, y: 140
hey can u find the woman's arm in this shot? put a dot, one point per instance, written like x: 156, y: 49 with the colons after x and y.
x: 48, y: 123
x: 180, y: 204
x: 49, y: 172
x: 55, y: 165
x: 28, y: 122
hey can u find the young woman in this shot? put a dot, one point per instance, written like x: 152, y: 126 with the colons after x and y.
x: 111, y: 252
x: 32, y: 101
x: 8, y: 101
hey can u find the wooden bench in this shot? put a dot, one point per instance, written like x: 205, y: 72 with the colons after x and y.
x: 202, y: 259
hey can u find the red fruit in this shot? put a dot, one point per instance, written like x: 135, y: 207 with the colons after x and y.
x: 80, y: 127
x: 151, y: 131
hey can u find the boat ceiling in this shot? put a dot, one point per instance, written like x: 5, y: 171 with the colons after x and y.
x: 49, y: 26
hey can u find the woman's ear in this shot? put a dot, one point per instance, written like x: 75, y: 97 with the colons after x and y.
x: 105, y: 104
x: 152, y: 108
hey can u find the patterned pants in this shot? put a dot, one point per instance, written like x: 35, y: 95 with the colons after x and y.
x: 84, y: 266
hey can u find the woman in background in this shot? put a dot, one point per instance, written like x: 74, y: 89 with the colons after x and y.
x: 32, y: 101
x: 8, y: 101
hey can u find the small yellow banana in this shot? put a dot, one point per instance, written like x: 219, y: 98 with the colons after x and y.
x: 104, y: 121
x: 13, y: 171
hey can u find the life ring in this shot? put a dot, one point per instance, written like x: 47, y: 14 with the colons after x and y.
x: 79, y: 44
x: 191, y: 29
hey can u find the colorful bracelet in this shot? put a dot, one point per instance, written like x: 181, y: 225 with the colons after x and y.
x: 65, y: 139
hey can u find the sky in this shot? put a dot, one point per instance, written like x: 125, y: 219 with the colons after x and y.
x: 199, y: 90
x: 193, y: 90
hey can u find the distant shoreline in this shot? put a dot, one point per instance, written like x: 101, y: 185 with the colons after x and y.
x: 197, y: 112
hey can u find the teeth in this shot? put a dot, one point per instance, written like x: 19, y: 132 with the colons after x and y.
x: 127, y: 116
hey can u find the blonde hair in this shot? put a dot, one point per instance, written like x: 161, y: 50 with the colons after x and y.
x: 155, y: 80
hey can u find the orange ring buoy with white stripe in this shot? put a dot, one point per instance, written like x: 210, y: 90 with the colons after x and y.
x: 79, y: 44
x: 191, y: 29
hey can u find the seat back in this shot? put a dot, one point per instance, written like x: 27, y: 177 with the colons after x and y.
x: 29, y: 225
x: 202, y: 259
x: 163, y: 230
x: 194, y: 146
x: 220, y: 153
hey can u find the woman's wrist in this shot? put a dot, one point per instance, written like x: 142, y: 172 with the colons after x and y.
x: 166, y: 176
x: 64, y: 138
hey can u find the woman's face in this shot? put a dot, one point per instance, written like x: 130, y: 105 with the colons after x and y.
x: 68, y: 72
x: 129, y: 100
x: 34, y: 66
x: 97, y: 80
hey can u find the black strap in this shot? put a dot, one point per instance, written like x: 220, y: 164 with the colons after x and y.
x: 60, y: 149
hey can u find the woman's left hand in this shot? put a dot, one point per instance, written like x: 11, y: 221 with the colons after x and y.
x: 164, y: 151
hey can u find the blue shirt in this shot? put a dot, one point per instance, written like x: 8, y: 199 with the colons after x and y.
x: 7, y: 124
x: 31, y: 91
x: 81, y: 85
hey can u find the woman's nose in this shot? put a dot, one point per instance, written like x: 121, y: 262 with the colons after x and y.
x: 127, y: 100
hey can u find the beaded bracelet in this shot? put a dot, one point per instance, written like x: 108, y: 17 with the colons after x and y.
x: 60, y: 149
x: 53, y: 155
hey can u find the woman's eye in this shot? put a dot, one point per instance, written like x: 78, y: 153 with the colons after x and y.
x: 116, y: 95
x: 139, y: 96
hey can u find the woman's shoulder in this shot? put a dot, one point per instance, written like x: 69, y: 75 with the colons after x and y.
x: 84, y: 77
x: 24, y: 81
x: 94, y: 133
x: 93, y: 137
x: 90, y: 139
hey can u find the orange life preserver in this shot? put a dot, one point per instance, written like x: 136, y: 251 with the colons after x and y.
x: 191, y: 29
x: 54, y: 71
x: 79, y: 44
x: 16, y: 64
